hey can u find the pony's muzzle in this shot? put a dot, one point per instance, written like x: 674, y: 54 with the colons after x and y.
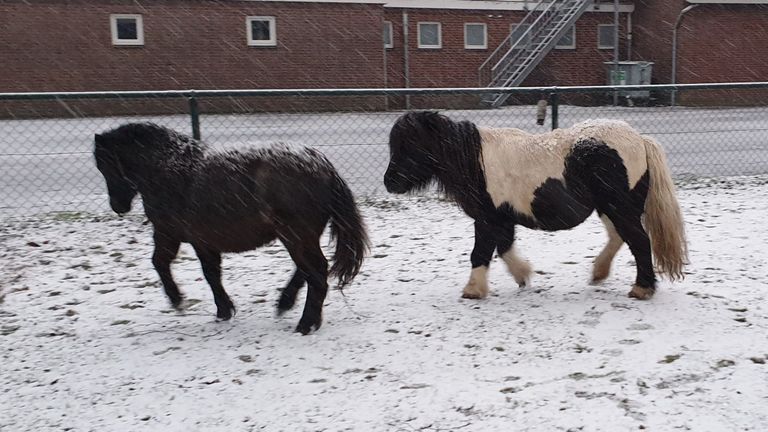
x: 395, y: 186
x: 394, y: 182
x: 118, y: 207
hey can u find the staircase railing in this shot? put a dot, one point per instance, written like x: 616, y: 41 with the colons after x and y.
x: 521, y: 52
x: 514, y: 43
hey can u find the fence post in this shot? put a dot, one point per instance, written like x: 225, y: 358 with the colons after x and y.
x: 194, y: 113
x: 553, y: 100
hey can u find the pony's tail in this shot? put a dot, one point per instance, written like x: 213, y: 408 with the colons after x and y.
x: 348, y: 230
x: 663, y: 218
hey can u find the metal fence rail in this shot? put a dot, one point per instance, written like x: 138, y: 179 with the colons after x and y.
x: 46, y: 163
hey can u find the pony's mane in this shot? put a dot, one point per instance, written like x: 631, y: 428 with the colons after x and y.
x: 460, y: 173
x: 157, y: 138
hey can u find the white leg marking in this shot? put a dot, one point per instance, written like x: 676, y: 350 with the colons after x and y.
x: 519, y: 267
x: 602, y: 267
x: 477, y: 287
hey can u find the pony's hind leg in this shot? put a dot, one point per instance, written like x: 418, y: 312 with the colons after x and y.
x: 631, y: 230
x: 166, y: 248
x: 312, y: 263
x: 602, y: 264
x: 289, y: 293
x: 211, y: 263
x: 485, y: 243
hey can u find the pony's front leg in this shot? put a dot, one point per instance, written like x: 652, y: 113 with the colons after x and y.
x: 211, y: 263
x: 166, y: 248
x: 520, y: 268
x: 477, y: 287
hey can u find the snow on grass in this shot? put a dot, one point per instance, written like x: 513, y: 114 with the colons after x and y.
x: 90, y: 343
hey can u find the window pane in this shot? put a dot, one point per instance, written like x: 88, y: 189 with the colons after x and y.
x: 518, y: 30
x: 388, y: 34
x: 429, y: 34
x: 475, y: 35
x: 606, y: 36
x: 127, y: 29
x: 260, y: 30
x: 567, y: 39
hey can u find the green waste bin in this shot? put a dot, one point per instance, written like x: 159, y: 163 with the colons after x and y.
x: 630, y: 73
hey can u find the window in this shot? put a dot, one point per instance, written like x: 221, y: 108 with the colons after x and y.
x: 388, y: 42
x: 261, y: 31
x: 127, y: 29
x: 605, y: 36
x: 568, y: 40
x: 429, y: 35
x: 517, y: 31
x: 475, y: 36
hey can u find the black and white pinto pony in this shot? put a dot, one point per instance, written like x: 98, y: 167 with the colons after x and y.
x: 553, y: 181
x: 234, y: 201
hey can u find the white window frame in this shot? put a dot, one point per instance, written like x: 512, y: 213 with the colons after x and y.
x: 598, y: 37
x: 573, y: 38
x: 391, y: 42
x: 272, y: 41
x: 439, y: 35
x: 485, y: 37
x: 514, y: 26
x: 139, y: 41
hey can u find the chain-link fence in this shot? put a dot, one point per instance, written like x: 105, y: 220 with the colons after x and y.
x: 46, y: 140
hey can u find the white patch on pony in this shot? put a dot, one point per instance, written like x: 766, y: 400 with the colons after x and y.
x: 516, y: 162
x: 520, y: 268
x: 477, y: 287
x: 602, y: 267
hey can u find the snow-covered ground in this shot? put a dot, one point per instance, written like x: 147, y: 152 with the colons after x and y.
x: 89, y: 343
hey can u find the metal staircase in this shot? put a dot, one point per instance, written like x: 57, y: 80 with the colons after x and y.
x: 522, y: 51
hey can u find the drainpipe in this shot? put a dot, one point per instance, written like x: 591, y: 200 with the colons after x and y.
x: 406, y: 66
x: 674, y: 47
x: 615, y: 48
x: 384, y: 65
x: 629, y: 37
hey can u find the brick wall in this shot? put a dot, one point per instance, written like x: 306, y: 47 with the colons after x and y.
x: 65, y: 45
x: 652, y: 24
x: 716, y: 43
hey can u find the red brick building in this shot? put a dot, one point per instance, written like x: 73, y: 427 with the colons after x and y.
x: 718, y: 41
x: 92, y: 45
x: 454, y: 64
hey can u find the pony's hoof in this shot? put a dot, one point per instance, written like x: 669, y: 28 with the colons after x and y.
x: 284, y: 304
x: 473, y: 295
x: 641, y: 293
x: 306, y: 328
x: 598, y: 278
x: 178, y: 303
x: 225, y: 314
x: 600, y: 273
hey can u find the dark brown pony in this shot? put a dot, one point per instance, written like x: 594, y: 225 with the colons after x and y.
x: 235, y: 201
